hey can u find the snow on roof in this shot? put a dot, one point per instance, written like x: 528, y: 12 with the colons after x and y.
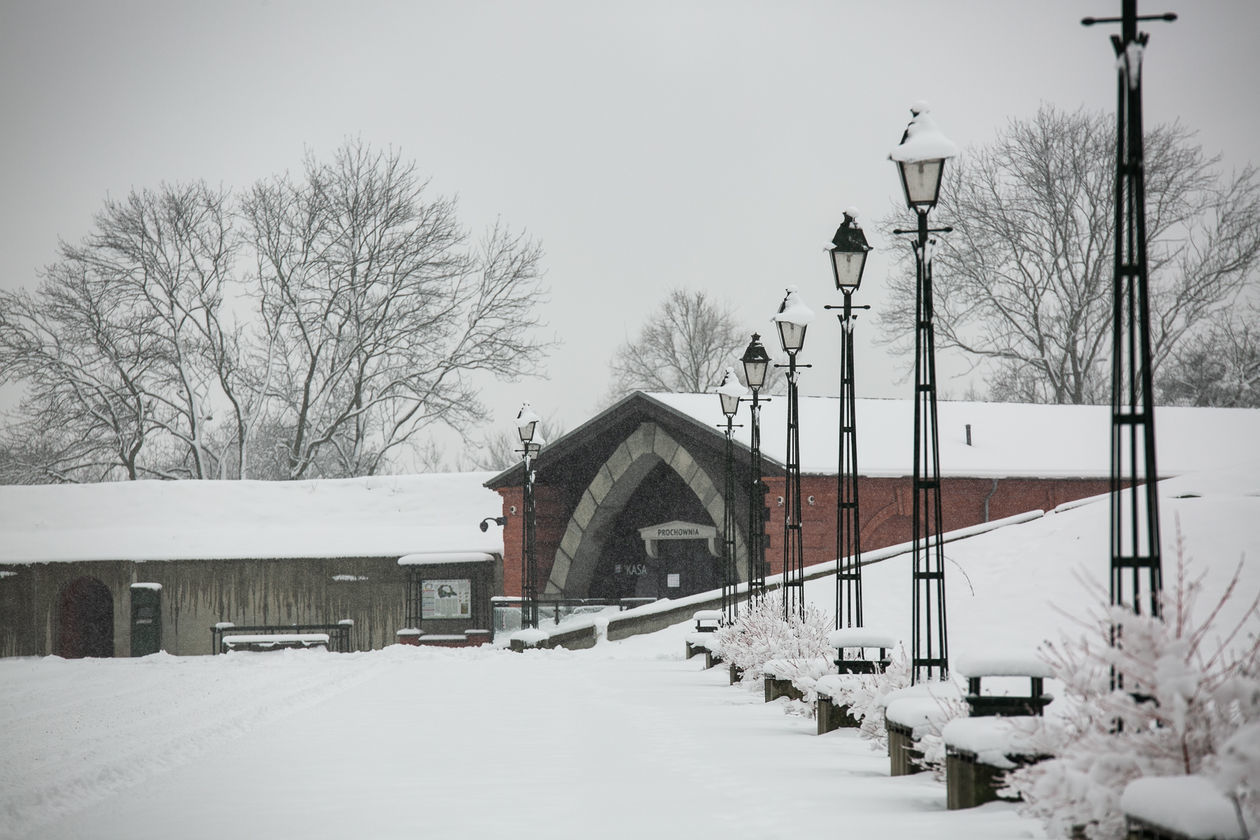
x: 1007, y: 439
x: 378, y: 516
x: 923, y: 140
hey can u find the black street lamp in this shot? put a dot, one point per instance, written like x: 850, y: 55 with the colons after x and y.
x: 920, y: 159
x: 1135, y: 539
x: 531, y: 444
x: 756, y: 362
x: 792, y: 319
x: 730, y: 392
x: 848, y: 259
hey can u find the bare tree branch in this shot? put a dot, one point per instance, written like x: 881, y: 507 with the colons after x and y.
x: 1024, y: 283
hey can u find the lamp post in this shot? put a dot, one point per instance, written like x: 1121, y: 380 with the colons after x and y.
x: 848, y: 259
x: 920, y: 159
x: 792, y: 319
x: 756, y: 362
x: 730, y: 392
x: 527, y: 425
x: 1135, y: 541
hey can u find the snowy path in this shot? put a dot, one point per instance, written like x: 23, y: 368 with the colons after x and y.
x: 623, y: 741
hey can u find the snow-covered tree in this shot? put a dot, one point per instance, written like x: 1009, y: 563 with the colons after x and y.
x: 1189, y: 693
x: 761, y: 634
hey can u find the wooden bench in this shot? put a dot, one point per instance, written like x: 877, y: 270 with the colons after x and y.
x: 830, y: 714
x: 980, y: 751
x: 778, y: 674
x: 854, y: 647
x: 911, y: 713
x: 703, y: 638
x: 226, y: 636
x: 995, y: 737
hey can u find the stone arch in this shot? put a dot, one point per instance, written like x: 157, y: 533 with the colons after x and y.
x: 85, y: 619
x: 611, y: 490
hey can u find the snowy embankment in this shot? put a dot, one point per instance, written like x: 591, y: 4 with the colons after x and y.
x: 624, y: 740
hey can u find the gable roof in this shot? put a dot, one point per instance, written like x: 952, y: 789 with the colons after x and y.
x: 378, y: 516
x: 1007, y: 439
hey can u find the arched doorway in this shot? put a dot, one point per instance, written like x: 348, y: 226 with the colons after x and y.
x: 85, y: 620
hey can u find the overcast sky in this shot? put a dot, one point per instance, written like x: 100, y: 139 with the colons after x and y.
x: 648, y: 145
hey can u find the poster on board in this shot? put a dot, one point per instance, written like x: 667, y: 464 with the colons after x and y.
x: 446, y: 598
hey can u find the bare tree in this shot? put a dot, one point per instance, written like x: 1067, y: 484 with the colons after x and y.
x: 1218, y: 366
x: 379, y: 310
x: 685, y: 347
x: 146, y: 351
x: 88, y: 363
x: 1024, y: 283
x: 124, y: 349
x: 501, y: 449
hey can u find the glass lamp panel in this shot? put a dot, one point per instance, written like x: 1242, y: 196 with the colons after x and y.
x: 847, y: 266
x: 791, y: 336
x: 921, y: 180
x: 730, y: 404
x: 755, y: 372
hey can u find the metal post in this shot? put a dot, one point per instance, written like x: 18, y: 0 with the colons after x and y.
x: 929, y: 650
x: 793, y: 546
x: 757, y: 511
x: 730, y: 571
x: 848, y: 526
x: 529, y: 607
x: 1135, y: 538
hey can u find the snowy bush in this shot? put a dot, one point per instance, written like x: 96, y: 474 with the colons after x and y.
x: 1189, y: 704
x: 761, y: 634
x: 932, y: 741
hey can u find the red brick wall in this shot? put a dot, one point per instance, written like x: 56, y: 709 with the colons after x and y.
x: 885, y: 507
x: 551, y: 520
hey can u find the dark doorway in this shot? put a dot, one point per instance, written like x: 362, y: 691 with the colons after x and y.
x: 85, y: 620
x: 626, y: 570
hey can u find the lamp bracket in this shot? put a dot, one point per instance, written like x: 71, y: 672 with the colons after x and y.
x: 900, y: 232
x: 1090, y: 21
x: 851, y: 306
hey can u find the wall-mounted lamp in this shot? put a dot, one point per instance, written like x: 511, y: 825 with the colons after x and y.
x: 497, y: 520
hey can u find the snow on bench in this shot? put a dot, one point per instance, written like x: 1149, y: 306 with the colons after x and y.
x: 860, y: 639
x: 702, y: 640
x: 909, y: 714
x: 275, y: 641
x: 830, y: 711
x: 1005, y: 666
x: 266, y: 636
x: 979, y: 751
x: 1187, y: 807
x: 792, y: 678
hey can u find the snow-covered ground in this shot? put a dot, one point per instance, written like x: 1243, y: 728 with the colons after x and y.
x: 625, y: 740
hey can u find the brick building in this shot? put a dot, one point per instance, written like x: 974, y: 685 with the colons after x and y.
x: 628, y: 502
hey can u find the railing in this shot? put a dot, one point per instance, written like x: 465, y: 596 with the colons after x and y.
x: 507, y: 610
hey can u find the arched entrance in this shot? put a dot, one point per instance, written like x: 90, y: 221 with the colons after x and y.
x: 648, y: 478
x: 85, y: 619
